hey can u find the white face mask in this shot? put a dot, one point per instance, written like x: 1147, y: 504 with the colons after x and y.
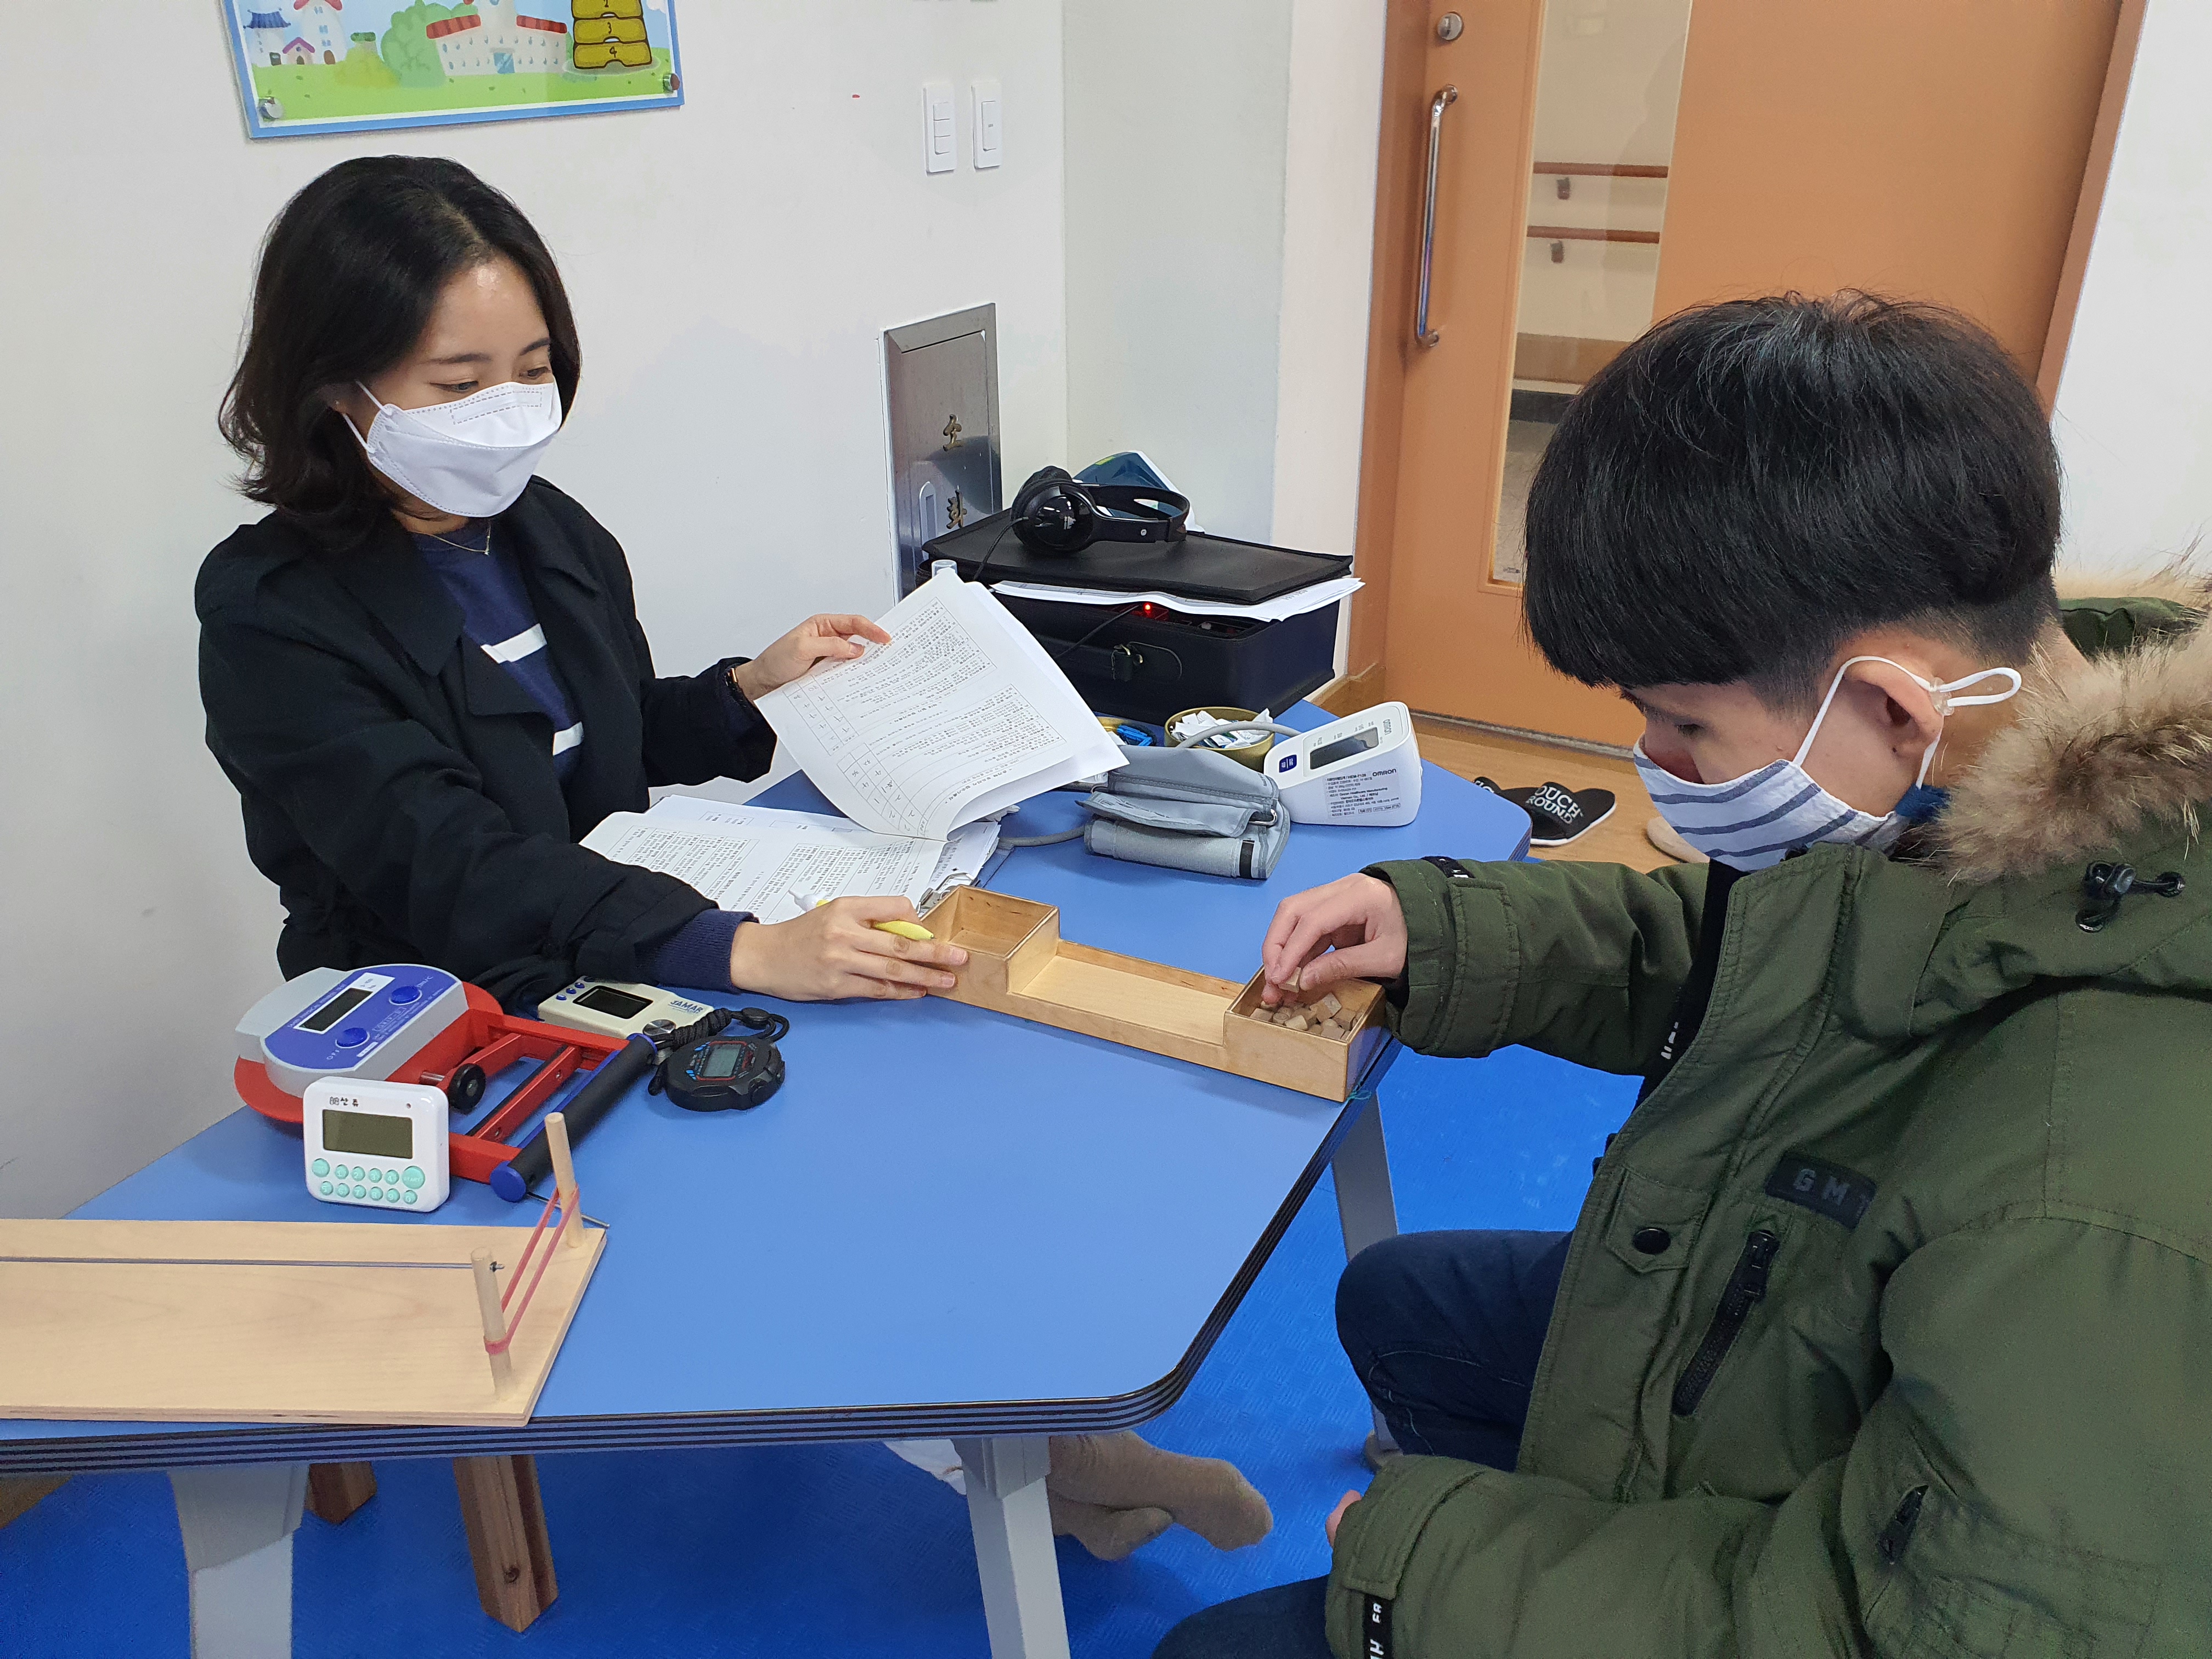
x: 472, y: 456
x: 1754, y: 821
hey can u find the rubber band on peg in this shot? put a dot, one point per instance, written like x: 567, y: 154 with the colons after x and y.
x: 573, y: 1207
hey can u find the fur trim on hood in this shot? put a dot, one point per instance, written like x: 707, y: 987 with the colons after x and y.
x: 2095, y: 754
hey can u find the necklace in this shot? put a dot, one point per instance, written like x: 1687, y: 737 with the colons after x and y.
x: 463, y: 547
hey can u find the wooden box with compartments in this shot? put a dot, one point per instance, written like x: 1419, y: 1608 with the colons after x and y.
x: 1019, y: 965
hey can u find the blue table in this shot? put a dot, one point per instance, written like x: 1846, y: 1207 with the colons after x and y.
x: 948, y: 1224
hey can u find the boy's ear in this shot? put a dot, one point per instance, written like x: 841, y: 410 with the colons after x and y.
x: 1904, y: 707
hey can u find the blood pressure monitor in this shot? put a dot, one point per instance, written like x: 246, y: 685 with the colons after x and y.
x: 381, y: 1145
x: 1362, y: 769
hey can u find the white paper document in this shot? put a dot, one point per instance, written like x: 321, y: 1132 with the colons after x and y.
x: 967, y: 850
x: 759, y: 864
x: 961, y: 715
x: 1282, y: 608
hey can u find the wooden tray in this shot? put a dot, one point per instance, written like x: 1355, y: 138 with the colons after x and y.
x: 270, y: 1322
x: 1019, y: 965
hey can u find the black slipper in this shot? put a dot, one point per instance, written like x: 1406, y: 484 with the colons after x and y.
x: 1558, y: 814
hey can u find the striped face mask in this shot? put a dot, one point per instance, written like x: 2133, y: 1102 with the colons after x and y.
x: 1754, y: 821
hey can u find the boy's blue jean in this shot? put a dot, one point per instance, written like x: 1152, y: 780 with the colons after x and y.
x: 1444, y: 1331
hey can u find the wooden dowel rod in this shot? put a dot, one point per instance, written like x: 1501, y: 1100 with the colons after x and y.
x: 1588, y: 233
x: 1598, y: 170
x: 494, y: 1318
x: 564, y: 1176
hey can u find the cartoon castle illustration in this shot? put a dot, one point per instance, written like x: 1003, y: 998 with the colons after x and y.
x: 321, y: 30
x: 497, y: 39
x: 266, y: 35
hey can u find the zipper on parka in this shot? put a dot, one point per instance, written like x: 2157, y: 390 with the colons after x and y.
x: 1746, y: 1285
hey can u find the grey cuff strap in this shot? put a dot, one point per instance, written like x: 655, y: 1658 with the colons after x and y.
x: 1189, y: 817
x: 1251, y: 856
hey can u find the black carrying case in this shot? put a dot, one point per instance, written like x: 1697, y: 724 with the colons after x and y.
x: 1151, y: 662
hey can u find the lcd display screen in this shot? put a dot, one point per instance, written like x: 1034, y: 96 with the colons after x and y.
x: 1330, y: 754
x: 337, y: 1009
x: 722, y: 1059
x: 605, y: 999
x: 369, y: 1133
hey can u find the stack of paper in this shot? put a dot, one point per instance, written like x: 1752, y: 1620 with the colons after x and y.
x: 759, y: 859
x: 961, y: 715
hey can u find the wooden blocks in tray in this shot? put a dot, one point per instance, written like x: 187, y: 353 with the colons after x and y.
x: 1019, y: 965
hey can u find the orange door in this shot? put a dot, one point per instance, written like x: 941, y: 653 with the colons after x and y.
x: 1935, y: 151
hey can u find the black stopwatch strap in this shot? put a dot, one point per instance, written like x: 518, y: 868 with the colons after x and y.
x: 1453, y: 869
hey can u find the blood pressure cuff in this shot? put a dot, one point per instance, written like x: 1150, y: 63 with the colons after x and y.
x: 1189, y: 809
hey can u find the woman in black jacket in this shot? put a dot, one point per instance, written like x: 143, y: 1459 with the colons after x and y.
x: 423, y: 669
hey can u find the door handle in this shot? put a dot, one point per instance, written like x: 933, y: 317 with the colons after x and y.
x: 1423, y: 333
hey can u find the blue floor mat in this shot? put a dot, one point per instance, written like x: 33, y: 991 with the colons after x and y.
x: 845, y: 1550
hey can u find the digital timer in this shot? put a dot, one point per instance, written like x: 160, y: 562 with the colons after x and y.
x: 379, y: 1145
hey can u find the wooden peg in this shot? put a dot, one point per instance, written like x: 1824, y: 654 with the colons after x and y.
x: 564, y: 1177
x: 508, y: 1544
x: 494, y: 1319
x: 335, y: 1490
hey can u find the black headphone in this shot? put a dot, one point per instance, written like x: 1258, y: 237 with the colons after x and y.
x: 1053, y: 513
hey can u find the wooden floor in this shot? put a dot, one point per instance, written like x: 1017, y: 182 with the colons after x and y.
x: 1518, y: 762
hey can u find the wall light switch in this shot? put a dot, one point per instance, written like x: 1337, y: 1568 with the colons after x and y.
x: 985, y: 96
x: 938, y: 145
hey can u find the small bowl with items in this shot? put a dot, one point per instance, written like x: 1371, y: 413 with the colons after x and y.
x: 1249, y: 745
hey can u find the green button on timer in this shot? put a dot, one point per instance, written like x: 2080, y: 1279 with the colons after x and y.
x: 409, y: 1197
x: 326, y: 1186
x: 360, y: 1192
x: 413, y: 1178
x: 376, y: 1193
x: 356, y: 1172
x: 321, y: 1166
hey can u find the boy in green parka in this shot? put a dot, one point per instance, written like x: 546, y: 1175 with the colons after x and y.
x: 1886, y: 1326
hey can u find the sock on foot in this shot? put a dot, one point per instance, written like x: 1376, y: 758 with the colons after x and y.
x: 1109, y: 1534
x: 1122, y: 1472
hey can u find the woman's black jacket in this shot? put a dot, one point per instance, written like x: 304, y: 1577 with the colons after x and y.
x: 398, y: 784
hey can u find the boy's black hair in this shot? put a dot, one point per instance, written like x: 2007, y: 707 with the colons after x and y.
x: 1751, y: 483
x: 349, y: 275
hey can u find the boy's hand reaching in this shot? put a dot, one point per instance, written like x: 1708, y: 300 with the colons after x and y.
x: 1350, y: 929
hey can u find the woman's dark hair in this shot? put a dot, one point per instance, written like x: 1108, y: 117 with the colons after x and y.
x: 349, y: 274
x: 1751, y: 483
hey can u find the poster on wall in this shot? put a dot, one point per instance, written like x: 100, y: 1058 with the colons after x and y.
x: 356, y: 65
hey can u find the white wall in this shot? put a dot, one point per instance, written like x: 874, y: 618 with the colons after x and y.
x: 1334, y: 117
x: 2134, y: 411
x: 1176, y: 126
x: 1221, y: 197
x: 732, y: 263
